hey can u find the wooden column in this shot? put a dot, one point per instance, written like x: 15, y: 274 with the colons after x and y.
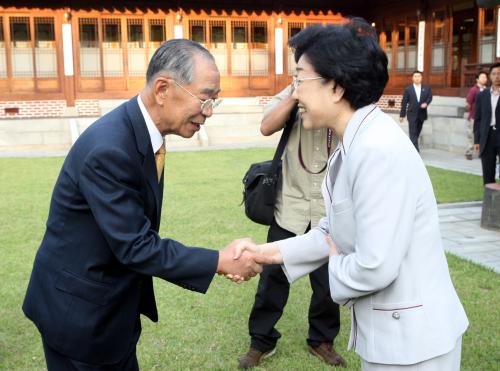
x: 69, y: 75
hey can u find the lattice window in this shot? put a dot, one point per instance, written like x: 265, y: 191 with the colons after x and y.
x: 20, y: 31
x: 87, y: 28
x: 259, y: 55
x: 259, y: 32
x: 217, y: 32
x: 239, y: 31
x: 112, y: 51
x: 45, y: 47
x: 157, y: 30
x: 197, y: 31
x: 487, y: 37
x: 135, y: 33
x: 240, y: 53
x: 44, y: 30
x: 90, y: 54
x: 388, y: 45
x: 22, y: 51
x: 3, y: 59
x: 293, y: 29
x: 400, y: 49
x: 411, y: 46
x: 111, y: 32
x: 439, y: 49
x: 136, y: 51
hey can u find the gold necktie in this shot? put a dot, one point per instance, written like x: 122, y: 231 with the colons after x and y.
x: 160, y: 160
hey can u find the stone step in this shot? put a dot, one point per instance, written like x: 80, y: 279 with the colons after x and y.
x: 235, y: 123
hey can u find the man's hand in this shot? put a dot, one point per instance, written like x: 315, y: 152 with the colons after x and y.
x: 268, y: 253
x: 245, y: 267
x: 423, y: 105
x: 401, y: 119
x: 476, y: 148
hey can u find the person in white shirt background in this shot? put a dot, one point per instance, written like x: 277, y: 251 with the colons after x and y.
x: 416, y: 99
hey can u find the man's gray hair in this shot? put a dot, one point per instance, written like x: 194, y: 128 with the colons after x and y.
x: 175, y: 58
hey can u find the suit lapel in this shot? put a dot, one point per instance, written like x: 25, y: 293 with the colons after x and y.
x: 423, y: 93
x: 145, y: 148
x: 497, y: 113
x: 487, y: 101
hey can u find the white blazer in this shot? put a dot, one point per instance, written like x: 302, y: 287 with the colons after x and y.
x: 392, y: 271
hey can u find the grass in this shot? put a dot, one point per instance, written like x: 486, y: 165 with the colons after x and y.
x: 209, y: 332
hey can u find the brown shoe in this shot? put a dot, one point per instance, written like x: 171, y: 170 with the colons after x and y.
x: 327, y: 354
x: 468, y: 156
x: 253, y: 358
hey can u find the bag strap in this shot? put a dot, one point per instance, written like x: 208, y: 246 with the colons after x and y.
x: 284, y: 139
x: 329, y: 136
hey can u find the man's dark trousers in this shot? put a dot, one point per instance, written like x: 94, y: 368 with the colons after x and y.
x: 59, y: 362
x: 415, y: 128
x: 272, y: 295
x: 490, y: 154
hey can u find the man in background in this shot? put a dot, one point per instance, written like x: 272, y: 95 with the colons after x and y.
x: 479, y: 86
x: 416, y: 99
x: 487, y: 125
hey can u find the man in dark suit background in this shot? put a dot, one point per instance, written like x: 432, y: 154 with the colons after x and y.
x: 92, y: 275
x: 416, y: 99
x: 487, y: 125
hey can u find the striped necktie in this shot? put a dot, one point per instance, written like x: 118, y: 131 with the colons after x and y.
x: 160, y: 160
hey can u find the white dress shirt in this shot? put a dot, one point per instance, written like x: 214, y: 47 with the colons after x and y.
x: 154, y: 133
x: 418, y: 89
x: 494, y: 102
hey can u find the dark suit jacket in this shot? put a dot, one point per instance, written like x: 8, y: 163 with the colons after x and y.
x: 92, y: 274
x: 411, y: 107
x: 482, y: 118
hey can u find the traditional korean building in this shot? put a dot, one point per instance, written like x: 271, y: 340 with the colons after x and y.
x: 73, y: 53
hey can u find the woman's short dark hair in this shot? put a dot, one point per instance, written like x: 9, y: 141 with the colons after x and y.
x: 348, y: 54
x: 481, y: 73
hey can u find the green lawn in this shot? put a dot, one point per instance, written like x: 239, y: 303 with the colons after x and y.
x: 209, y: 332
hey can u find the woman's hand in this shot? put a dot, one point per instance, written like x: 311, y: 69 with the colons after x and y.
x: 265, y: 254
x: 333, y: 248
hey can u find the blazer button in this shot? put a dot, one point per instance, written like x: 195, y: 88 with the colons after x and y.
x: 395, y: 315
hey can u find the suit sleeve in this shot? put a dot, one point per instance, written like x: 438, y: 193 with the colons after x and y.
x: 404, y: 103
x: 110, y: 182
x: 384, y: 205
x: 471, y: 95
x: 429, y: 96
x: 477, y: 119
x: 306, y: 253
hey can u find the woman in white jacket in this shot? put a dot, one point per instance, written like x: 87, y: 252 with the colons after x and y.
x: 381, y: 231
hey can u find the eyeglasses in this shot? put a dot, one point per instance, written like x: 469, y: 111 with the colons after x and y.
x: 205, y: 104
x: 296, y: 81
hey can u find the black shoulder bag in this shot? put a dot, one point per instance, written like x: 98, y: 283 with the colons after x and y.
x: 260, y: 183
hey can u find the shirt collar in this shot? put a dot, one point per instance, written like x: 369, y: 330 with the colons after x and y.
x: 154, y: 133
x: 360, y: 116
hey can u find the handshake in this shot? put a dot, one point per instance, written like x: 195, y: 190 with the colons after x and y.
x: 243, y: 259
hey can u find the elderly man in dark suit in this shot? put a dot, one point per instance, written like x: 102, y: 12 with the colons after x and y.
x: 416, y: 99
x: 92, y: 275
x: 487, y: 125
